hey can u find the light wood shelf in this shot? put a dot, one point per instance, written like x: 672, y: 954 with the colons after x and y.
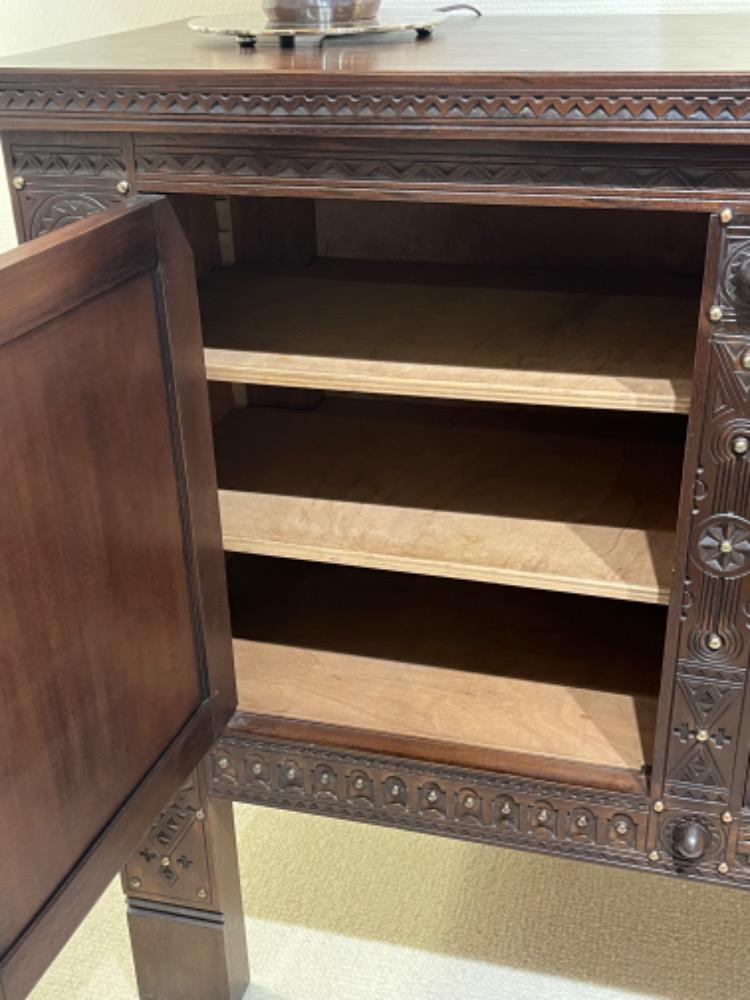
x: 421, y: 330
x: 447, y: 671
x: 542, y: 499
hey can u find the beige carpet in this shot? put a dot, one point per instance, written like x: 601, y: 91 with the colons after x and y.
x: 338, y: 911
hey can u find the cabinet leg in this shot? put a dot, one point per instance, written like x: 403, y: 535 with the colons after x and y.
x: 185, y: 913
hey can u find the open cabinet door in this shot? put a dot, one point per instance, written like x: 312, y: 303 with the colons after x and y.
x: 115, y: 652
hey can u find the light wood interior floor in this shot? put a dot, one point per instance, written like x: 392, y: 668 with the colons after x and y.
x: 538, y: 498
x: 457, y: 672
x: 410, y: 329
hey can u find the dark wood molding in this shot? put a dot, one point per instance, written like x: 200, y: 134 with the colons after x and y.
x: 443, y: 170
x: 702, y: 738
x: 656, y: 107
x: 69, y: 178
x: 571, y: 821
x: 62, y: 178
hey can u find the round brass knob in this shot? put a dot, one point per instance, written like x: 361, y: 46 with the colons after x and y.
x: 690, y: 840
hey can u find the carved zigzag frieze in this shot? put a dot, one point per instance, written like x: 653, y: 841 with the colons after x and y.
x: 727, y: 109
x: 512, y: 168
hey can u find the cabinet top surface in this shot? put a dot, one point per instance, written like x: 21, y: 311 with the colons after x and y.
x: 682, y: 46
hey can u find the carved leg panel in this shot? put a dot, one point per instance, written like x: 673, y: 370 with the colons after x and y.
x: 185, y: 908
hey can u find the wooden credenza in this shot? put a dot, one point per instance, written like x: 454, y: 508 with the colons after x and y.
x: 475, y: 316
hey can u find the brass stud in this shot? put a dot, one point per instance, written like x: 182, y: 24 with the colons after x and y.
x: 359, y: 784
x: 658, y: 806
x: 653, y: 856
x: 257, y: 768
x: 200, y: 815
x: 715, y: 313
x: 726, y: 546
x: 581, y: 822
x: 165, y: 862
x: 19, y: 183
x: 621, y: 828
x: 469, y: 802
x: 723, y: 868
x: 135, y: 883
x: 702, y: 735
x: 745, y: 360
x: 726, y: 817
x: 223, y: 763
x: 726, y: 215
x: 202, y: 894
x: 123, y: 186
x: 432, y: 795
x: 740, y: 445
x: 714, y: 641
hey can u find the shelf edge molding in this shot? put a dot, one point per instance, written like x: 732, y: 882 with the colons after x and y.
x: 486, y: 549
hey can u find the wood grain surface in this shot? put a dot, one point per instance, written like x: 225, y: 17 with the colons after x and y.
x: 448, y: 670
x: 534, y: 498
x: 330, y: 327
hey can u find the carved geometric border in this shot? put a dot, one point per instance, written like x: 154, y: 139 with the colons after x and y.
x: 509, y: 164
x: 704, y: 761
x: 590, y: 110
x: 562, y: 820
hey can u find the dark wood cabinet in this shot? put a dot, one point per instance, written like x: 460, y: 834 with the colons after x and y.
x: 475, y: 322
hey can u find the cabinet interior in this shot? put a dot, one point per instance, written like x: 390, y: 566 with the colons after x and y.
x: 449, y: 443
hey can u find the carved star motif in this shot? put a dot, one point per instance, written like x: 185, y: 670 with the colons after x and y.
x: 724, y: 546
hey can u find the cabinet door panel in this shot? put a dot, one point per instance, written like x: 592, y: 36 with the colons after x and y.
x: 116, y: 656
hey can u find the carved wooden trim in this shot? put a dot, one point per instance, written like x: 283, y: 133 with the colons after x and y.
x: 702, y: 739
x: 32, y: 159
x: 43, y: 211
x: 651, y: 171
x: 563, y: 820
x: 65, y: 180
x: 654, y: 108
x: 173, y: 864
x: 457, y: 802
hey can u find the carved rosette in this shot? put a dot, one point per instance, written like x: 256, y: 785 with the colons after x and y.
x: 172, y: 864
x: 53, y: 211
x: 701, y: 778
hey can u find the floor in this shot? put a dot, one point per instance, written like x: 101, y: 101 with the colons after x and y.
x: 338, y: 911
